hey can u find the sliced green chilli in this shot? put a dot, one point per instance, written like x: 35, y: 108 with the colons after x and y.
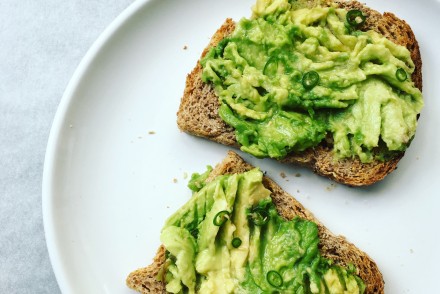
x: 220, y: 218
x: 274, y: 279
x: 401, y: 75
x: 310, y: 79
x: 236, y: 242
x: 355, y: 17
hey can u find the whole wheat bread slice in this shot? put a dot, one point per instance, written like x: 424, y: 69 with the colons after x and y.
x: 198, y: 111
x: 337, y: 248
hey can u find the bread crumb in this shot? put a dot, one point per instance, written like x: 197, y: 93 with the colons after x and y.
x: 297, y: 175
x: 168, y: 206
x: 331, y: 187
x: 139, y: 137
x: 174, y: 180
x: 185, y: 47
x: 151, y: 132
x: 283, y: 175
x: 185, y: 175
x: 297, y: 191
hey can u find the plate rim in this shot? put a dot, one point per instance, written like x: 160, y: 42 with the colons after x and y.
x: 55, y: 131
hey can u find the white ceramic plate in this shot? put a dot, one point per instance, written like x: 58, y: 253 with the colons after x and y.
x: 109, y: 183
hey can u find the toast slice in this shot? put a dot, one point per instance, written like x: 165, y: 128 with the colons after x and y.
x: 337, y: 248
x: 198, y: 111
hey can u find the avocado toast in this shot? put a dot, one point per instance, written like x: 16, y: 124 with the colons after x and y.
x: 334, y: 251
x: 351, y: 156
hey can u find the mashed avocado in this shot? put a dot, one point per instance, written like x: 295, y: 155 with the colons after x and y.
x: 287, y: 78
x: 229, y: 238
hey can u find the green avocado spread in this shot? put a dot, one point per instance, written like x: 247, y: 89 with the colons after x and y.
x: 229, y: 238
x: 288, y: 78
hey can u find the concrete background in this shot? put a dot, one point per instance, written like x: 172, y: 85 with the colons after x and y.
x: 41, y: 44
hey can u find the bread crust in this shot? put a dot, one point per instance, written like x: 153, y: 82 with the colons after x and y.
x: 331, y: 246
x: 198, y: 110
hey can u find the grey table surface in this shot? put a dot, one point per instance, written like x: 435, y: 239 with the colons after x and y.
x: 41, y: 44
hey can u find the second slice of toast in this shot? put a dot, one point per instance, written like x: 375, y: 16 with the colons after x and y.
x: 337, y: 248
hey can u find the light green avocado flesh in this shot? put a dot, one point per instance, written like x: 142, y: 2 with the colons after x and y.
x: 258, y: 74
x: 275, y: 255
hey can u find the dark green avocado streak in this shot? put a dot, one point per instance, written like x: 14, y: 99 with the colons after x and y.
x: 286, y: 78
x: 273, y: 255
